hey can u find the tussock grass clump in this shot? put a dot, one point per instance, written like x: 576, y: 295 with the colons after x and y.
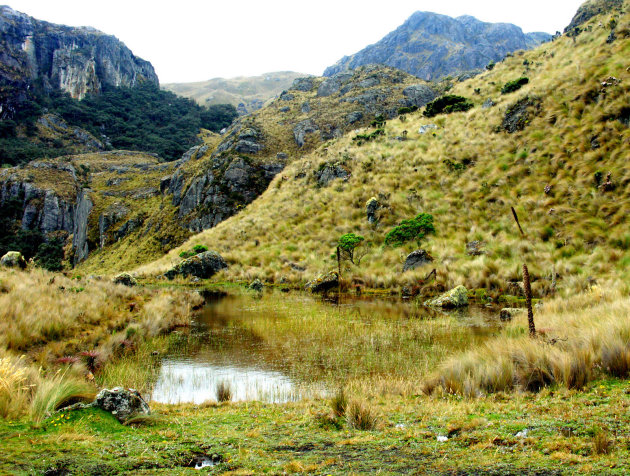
x: 16, y: 385
x: 57, y: 392
x: 602, y: 445
x: 361, y: 416
x: 586, y: 338
x: 224, y: 392
x: 339, y: 403
x: 44, y: 318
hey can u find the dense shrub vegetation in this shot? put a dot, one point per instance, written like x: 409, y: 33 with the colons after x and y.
x: 515, y: 85
x: 141, y: 118
x: 447, y: 104
x: 408, y: 230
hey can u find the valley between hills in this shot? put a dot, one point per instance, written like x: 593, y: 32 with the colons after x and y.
x: 410, y: 265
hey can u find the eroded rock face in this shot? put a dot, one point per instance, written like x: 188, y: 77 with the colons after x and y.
x: 519, y: 114
x: 122, y: 403
x: 330, y: 172
x: 13, y: 259
x: 419, y: 95
x: 76, y: 60
x: 80, y: 228
x: 371, y: 207
x: 417, y: 258
x: 457, y: 297
x: 202, y: 266
x: 302, y: 128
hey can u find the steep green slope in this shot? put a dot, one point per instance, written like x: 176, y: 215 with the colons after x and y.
x: 467, y: 173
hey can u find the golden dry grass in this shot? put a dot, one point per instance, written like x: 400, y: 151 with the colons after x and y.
x: 50, y: 322
x: 579, y: 339
x: 575, y: 228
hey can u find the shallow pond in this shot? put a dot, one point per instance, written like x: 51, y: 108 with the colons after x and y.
x: 282, y: 347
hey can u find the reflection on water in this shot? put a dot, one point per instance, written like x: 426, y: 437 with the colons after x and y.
x: 187, y: 380
x: 229, y: 343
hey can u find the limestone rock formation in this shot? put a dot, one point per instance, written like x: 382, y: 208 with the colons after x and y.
x: 76, y: 60
x: 431, y: 46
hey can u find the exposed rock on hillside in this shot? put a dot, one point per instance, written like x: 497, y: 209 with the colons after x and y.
x: 75, y: 60
x: 431, y: 46
x: 203, y: 266
x: 231, y: 174
x: 590, y: 9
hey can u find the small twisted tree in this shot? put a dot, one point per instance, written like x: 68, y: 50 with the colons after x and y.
x: 347, y: 245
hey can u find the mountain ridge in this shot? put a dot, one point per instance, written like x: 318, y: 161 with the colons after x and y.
x: 431, y: 46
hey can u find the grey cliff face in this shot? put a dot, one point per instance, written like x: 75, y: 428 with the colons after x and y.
x: 76, y: 60
x: 431, y: 46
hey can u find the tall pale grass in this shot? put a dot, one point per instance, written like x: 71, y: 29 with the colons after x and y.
x: 583, y: 337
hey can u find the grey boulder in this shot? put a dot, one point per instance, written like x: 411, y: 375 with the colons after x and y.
x: 203, y: 266
x: 122, y: 403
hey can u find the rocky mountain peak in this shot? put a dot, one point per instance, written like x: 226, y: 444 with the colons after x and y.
x: 430, y: 46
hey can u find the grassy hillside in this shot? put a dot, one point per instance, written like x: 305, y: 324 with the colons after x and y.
x: 251, y: 91
x: 467, y: 173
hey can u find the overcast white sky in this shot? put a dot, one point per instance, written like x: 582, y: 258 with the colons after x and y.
x: 192, y: 40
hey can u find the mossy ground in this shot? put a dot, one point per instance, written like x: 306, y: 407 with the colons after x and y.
x: 255, y: 438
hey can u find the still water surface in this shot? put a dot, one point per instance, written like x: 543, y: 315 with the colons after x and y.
x: 221, y: 348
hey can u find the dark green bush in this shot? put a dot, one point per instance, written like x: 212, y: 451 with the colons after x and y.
x: 407, y: 110
x: 200, y: 249
x: 360, y: 138
x: 50, y: 255
x: 408, y: 230
x: 515, y: 85
x: 447, y: 104
x: 379, y: 121
x: 187, y: 254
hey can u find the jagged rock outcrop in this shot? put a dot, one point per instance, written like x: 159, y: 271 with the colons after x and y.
x: 590, y: 9
x: 431, y: 46
x: 80, y: 228
x: 323, y: 282
x: 76, y: 60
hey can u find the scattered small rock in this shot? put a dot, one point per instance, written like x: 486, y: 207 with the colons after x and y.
x: 256, y: 285
x: 442, y: 439
x: 475, y: 248
x: 426, y: 128
x: 508, y: 313
x: 488, y: 103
